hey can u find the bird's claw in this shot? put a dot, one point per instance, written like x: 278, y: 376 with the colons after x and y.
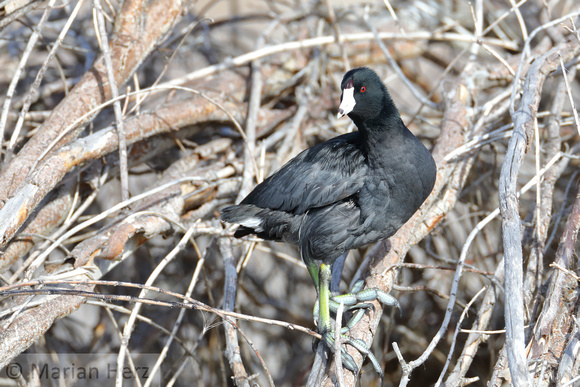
x: 347, y: 360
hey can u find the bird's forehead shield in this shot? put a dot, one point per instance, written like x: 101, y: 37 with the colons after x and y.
x: 347, y: 103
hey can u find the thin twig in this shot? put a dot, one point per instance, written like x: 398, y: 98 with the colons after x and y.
x: 455, y: 334
x: 23, y: 60
x: 395, y: 66
x: 104, y: 44
x: 40, y: 75
x: 326, y: 40
x: 572, y: 104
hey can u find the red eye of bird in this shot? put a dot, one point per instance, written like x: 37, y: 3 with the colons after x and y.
x: 362, y: 89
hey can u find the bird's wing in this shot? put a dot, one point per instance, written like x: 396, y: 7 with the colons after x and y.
x: 321, y: 175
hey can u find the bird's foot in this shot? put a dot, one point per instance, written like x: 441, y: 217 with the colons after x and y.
x: 346, y: 359
x: 357, y: 300
x: 360, y: 299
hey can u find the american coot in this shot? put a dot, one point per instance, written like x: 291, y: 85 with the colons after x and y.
x: 344, y: 193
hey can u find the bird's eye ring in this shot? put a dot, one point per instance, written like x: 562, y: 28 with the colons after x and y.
x: 362, y: 89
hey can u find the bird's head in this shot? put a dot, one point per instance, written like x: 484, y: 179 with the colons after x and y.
x: 364, y: 96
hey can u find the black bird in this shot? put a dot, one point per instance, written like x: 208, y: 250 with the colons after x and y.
x: 344, y: 193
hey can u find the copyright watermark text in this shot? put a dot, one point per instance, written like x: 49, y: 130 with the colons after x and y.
x: 81, y: 369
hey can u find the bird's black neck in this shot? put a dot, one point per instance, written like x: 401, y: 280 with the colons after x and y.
x: 384, y: 128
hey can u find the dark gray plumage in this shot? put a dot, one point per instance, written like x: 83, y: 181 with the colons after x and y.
x: 349, y: 191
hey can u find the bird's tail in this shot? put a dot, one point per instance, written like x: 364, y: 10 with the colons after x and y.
x: 246, y: 215
x: 265, y: 223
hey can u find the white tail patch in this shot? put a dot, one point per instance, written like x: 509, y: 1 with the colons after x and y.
x: 253, y: 223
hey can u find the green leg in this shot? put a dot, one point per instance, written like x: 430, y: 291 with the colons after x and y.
x: 325, y: 322
x: 321, y: 278
x: 324, y: 297
x: 314, y: 273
